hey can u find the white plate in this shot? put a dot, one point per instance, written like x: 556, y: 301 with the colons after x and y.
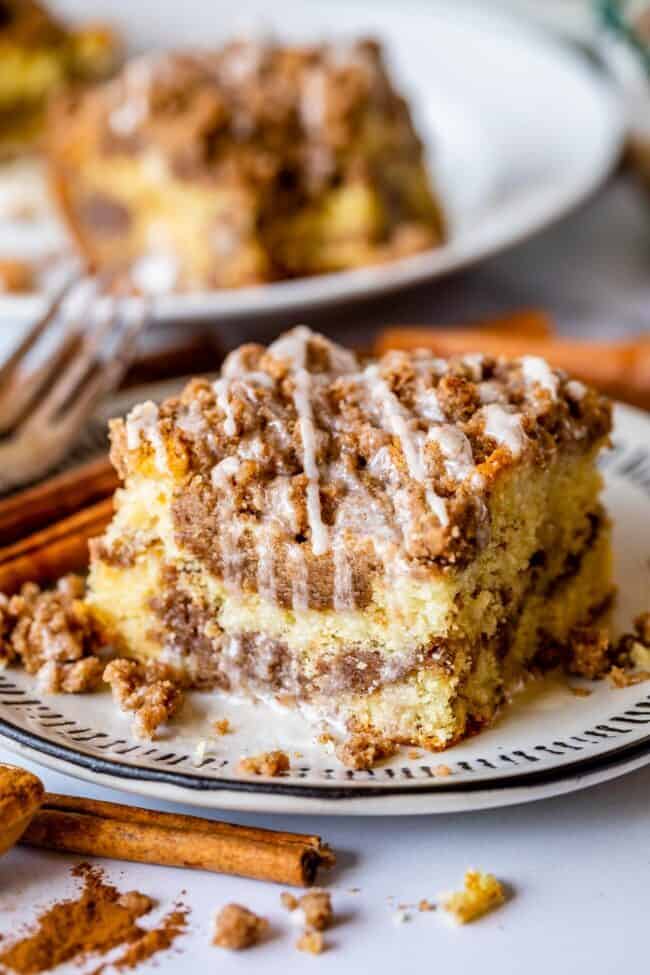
x: 519, y: 129
x: 548, y: 742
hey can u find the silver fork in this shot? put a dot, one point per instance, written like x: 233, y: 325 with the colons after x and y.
x: 44, y: 407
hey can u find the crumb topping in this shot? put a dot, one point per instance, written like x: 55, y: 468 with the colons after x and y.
x: 236, y: 928
x: 252, y: 113
x: 317, y: 472
x: 363, y: 750
x: 53, y: 634
x: 267, y: 763
x: 481, y: 893
x: 312, y: 942
x: 153, y: 701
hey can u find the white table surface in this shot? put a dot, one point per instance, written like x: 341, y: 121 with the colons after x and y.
x: 577, y: 868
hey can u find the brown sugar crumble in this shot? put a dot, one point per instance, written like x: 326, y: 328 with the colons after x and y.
x: 153, y: 701
x: 98, y: 920
x: 311, y: 942
x: 222, y: 727
x: 267, y: 763
x: 288, y: 900
x: 618, y: 677
x: 53, y: 635
x: 316, y: 908
x: 481, y: 893
x: 363, y: 750
x: 590, y: 652
x: 236, y: 928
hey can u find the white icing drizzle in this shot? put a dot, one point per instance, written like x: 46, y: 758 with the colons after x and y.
x: 343, y: 596
x: 266, y: 580
x: 537, y: 370
x: 142, y: 424
x: 575, y: 390
x: 156, y: 273
x: 299, y: 579
x: 456, y: 450
x: 230, y: 553
x: 222, y: 471
x: 504, y: 427
x: 134, y: 105
x: 293, y: 347
x: 313, y: 100
x: 222, y: 389
x: 398, y: 425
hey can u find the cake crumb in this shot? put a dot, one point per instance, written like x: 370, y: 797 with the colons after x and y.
x: 236, y: 928
x: 363, y: 750
x: 267, y: 763
x: 154, y: 702
x: 482, y: 893
x: 580, y: 691
x: 425, y: 905
x: 311, y: 942
x: 288, y: 900
x: 412, y: 754
x: 317, y: 909
x: 325, y: 738
x: 222, y: 727
x: 618, y: 677
x: 441, y: 771
x: 589, y: 652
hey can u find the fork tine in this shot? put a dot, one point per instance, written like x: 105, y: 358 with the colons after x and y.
x: 71, y: 378
x: 98, y: 384
x: 37, y: 329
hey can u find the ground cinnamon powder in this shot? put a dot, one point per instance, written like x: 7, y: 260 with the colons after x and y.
x: 100, y: 919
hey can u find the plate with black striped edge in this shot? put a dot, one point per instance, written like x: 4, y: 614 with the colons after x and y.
x: 547, y: 742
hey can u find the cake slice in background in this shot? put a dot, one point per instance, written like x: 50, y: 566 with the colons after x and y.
x: 393, y: 545
x: 258, y: 161
x: 39, y: 54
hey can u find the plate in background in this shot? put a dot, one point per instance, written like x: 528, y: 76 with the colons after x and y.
x: 519, y: 129
x: 547, y: 743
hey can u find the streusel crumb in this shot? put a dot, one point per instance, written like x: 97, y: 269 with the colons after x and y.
x: 312, y: 942
x: 363, y: 750
x: 425, y: 905
x: 267, y: 763
x: 441, y: 771
x: 222, y: 727
x: 153, y: 702
x: 317, y: 909
x: 235, y: 927
x: 590, y: 652
x: 288, y: 900
x: 619, y: 677
x: 579, y: 691
x: 482, y: 893
x: 53, y: 634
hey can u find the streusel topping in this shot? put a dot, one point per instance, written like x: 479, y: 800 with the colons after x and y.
x: 301, y: 453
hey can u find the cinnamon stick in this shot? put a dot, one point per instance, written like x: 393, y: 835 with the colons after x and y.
x: 620, y: 369
x: 107, y: 829
x: 54, y: 499
x: 48, y: 554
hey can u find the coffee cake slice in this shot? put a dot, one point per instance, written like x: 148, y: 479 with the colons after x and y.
x: 392, y: 545
x: 254, y: 162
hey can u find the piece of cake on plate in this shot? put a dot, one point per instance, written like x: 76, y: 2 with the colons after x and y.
x: 39, y: 54
x: 391, y: 544
x: 251, y: 163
